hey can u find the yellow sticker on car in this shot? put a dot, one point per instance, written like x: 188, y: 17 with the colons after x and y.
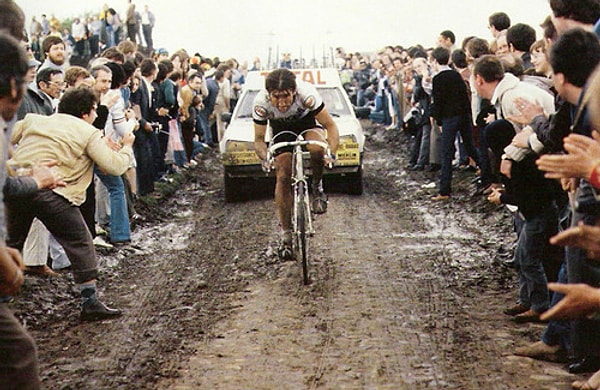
x: 348, y: 154
x: 241, y: 158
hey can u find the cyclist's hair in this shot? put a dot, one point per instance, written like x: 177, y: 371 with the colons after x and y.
x: 77, y: 101
x: 280, y: 79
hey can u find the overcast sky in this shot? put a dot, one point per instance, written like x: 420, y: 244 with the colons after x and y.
x: 247, y: 28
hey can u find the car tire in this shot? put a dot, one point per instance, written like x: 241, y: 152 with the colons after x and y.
x: 233, y: 189
x: 354, y: 183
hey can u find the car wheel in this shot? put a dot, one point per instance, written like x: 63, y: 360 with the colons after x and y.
x: 233, y: 189
x: 354, y: 183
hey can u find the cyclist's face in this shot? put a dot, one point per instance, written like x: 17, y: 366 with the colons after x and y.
x: 282, y: 99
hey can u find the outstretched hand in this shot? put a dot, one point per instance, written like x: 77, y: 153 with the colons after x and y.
x: 583, y: 155
x: 582, y: 236
x: 580, y: 300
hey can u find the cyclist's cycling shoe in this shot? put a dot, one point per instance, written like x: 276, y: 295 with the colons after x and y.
x: 285, y: 251
x: 285, y: 246
x: 319, y: 203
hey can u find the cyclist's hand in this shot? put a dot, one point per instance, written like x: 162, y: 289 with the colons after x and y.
x: 329, y: 160
x: 267, y: 165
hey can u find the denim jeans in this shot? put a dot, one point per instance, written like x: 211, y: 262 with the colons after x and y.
x: 532, y: 247
x: 450, y: 128
x: 558, y: 331
x: 119, y: 216
x: 424, y: 149
x: 203, y: 127
x: 585, y: 333
x: 419, y: 154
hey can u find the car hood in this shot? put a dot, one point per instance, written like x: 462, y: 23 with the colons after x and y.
x: 243, y: 130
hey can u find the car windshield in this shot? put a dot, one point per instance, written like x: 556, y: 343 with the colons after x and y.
x: 332, y: 97
x: 334, y: 101
x: 246, y: 105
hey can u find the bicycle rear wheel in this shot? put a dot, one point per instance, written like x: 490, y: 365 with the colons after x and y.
x: 301, y: 233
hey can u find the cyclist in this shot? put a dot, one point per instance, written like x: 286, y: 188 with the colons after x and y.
x: 290, y: 105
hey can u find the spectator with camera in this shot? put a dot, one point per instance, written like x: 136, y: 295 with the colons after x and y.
x: 417, y: 120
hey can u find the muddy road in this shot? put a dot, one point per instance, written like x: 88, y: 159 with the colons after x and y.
x: 406, y: 294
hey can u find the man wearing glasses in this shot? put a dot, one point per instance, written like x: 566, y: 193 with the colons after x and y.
x: 290, y: 105
x: 43, y: 99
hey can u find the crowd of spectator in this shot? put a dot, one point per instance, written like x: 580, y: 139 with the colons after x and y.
x: 105, y: 116
x: 512, y: 107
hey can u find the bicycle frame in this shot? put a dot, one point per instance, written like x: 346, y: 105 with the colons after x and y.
x: 301, y: 215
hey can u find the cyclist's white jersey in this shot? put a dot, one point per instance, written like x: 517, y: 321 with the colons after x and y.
x: 300, y: 116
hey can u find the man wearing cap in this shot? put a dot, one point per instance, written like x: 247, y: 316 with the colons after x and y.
x: 162, y: 54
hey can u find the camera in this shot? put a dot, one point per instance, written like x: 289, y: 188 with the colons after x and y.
x: 155, y: 126
x: 412, y: 120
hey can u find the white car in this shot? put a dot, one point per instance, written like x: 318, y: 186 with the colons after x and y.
x: 242, y: 167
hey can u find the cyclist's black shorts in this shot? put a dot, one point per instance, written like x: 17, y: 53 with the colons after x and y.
x: 296, y: 127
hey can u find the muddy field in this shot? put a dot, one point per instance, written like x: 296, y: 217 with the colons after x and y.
x: 406, y: 294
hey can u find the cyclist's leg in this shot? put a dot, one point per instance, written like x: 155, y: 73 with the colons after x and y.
x: 319, y: 202
x: 284, y: 200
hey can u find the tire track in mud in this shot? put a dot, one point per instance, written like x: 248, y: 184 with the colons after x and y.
x: 405, y: 296
x: 391, y: 306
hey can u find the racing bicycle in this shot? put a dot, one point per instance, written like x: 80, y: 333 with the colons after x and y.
x: 302, y: 227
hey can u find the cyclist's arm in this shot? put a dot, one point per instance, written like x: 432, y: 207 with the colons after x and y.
x: 260, y: 145
x: 333, y: 135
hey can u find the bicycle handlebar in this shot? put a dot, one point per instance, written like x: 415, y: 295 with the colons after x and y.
x: 299, y: 142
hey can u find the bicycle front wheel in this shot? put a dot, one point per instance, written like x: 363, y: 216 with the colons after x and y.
x: 301, y: 233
